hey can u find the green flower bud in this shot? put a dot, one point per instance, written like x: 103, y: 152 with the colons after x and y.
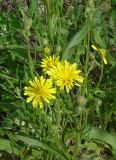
x: 23, y: 123
x: 98, y: 102
x: 82, y: 101
x: 17, y: 121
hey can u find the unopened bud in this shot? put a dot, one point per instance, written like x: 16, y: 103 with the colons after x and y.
x: 81, y: 101
x: 47, y: 50
x: 45, y: 42
x: 30, y: 125
x: 98, y: 102
x: 23, y: 123
x: 92, y: 56
x: 16, y: 121
x: 58, y: 48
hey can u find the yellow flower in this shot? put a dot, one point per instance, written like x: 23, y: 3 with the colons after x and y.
x: 39, y: 91
x: 49, y: 62
x: 102, y: 52
x: 66, y: 75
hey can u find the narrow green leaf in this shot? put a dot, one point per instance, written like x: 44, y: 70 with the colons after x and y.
x: 7, y: 146
x: 92, y: 133
x: 8, y: 77
x: 36, y: 143
x: 112, y: 19
x: 111, y: 60
x: 33, y: 7
x: 97, y: 37
x: 99, y: 134
x: 74, y: 41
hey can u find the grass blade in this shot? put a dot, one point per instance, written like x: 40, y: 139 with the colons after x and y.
x: 7, y: 146
x: 36, y: 143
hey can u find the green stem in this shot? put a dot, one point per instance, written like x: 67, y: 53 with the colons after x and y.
x: 55, y: 135
x: 77, y: 142
x: 85, y: 115
x: 108, y: 118
x: 49, y: 21
x: 101, y: 75
x: 78, y: 136
x: 80, y: 122
x: 86, y: 62
x: 29, y: 58
x: 20, y: 47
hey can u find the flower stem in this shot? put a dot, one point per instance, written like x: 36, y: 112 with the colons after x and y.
x: 55, y: 135
x: 49, y: 22
x: 101, y: 75
x: 86, y: 61
x: 108, y: 119
x: 29, y: 59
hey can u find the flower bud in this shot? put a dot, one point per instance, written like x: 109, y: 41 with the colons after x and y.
x: 45, y: 42
x: 23, y: 123
x: 81, y: 100
x: 30, y: 126
x: 92, y: 56
x: 47, y: 50
x: 16, y: 121
x: 58, y: 48
x: 98, y: 102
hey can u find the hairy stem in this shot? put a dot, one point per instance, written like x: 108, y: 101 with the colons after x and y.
x: 86, y: 61
x: 29, y: 59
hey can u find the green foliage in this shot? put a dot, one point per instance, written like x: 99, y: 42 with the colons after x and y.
x: 80, y: 124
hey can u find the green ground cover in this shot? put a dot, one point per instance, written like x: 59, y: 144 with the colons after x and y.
x: 68, y: 112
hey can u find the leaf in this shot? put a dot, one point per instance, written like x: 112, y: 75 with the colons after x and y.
x: 8, y: 77
x: 7, y: 146
x: 9, y: 105
x: 26, y: 20
x: 97, y: 37
x: 112, y: 19
x: 33, y: 7
x: 99, y: 134
x: 92, y: 133
x: 74, y: 41
x: 70, y: 134
x: 37, y: 143
x: 111, y: 60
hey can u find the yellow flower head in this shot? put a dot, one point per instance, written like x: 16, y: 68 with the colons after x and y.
x: 49, y: 62
x: 102, y: 53
x: 39, y: 91
x: 66, y: 75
